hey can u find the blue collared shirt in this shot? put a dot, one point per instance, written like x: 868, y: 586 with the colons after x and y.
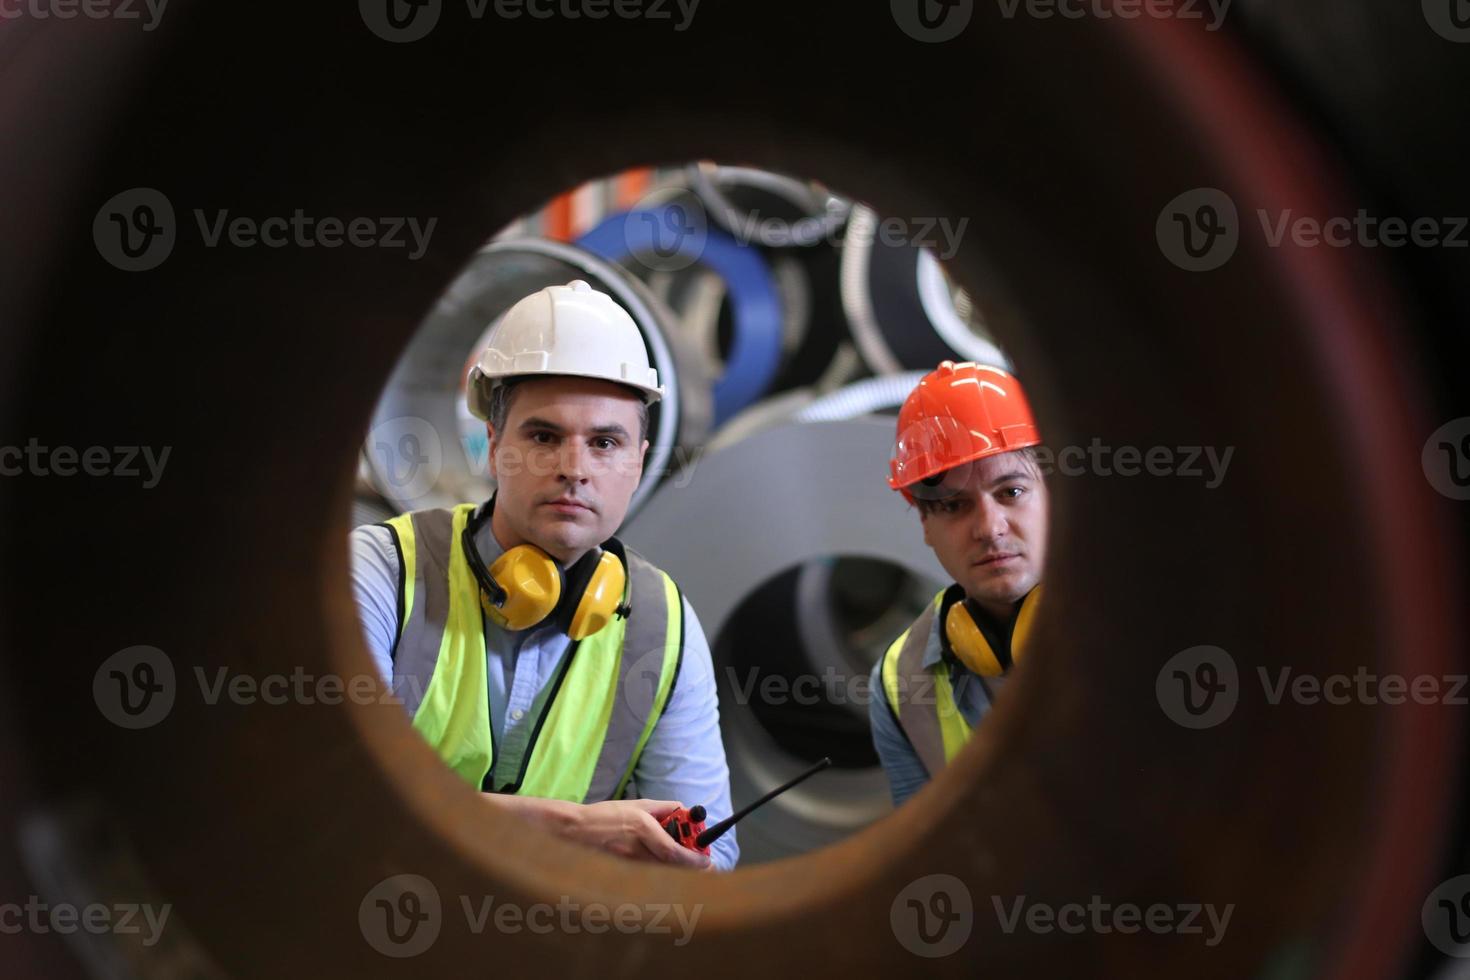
x: 906, y: 773
x: 684, y: 758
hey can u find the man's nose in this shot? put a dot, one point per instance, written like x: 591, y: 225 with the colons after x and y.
x: 573, y: 460
x: 990, y: 520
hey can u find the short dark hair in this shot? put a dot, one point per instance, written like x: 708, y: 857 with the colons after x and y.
x: 1027, y: 453
x: 503, y: 393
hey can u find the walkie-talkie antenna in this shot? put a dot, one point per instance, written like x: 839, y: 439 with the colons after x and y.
x: 715, y: 832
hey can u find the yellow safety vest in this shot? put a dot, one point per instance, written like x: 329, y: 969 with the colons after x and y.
x: 603, y: 704
x: 922, y: 699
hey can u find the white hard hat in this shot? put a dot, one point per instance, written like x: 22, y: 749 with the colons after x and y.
x: 571, y: 329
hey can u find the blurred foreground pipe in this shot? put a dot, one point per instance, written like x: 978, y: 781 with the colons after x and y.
x: 270, y: 829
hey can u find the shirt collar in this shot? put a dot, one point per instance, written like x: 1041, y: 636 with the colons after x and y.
x: 485, y: 541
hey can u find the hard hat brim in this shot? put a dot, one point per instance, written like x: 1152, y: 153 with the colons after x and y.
x: 477, y: 393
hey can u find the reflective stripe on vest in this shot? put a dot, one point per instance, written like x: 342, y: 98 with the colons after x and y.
x: 608, y: 695
x: 923, y: 700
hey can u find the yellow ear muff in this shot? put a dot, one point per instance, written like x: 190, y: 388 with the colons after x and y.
x: 968, y: 643
x: 601, y: 598
x: 532, y: 584
x: 1024, y: 619
x: 973, y: 649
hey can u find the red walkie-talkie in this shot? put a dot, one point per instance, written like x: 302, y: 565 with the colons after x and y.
x: 687, y: 826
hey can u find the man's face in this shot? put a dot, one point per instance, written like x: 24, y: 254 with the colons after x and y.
x: 566, y: 465
x: 988, y: 529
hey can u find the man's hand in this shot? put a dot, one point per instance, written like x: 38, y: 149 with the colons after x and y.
x: 633, y: 829
x: 628, y: 828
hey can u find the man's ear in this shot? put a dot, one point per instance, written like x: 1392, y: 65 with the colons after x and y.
x: 490, y: 454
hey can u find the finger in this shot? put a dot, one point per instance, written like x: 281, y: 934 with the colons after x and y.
x: 658, y: 809
x: 666, y: 849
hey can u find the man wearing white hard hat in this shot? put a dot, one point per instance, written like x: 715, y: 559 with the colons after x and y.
x: 548, y: 665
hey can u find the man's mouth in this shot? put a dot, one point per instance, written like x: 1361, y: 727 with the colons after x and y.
x: 990, y: 561
x: 568, y: 505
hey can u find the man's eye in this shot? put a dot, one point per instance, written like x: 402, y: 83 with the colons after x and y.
x: 542, y: 437
x: 1011, y: 493
x: 604, y: 444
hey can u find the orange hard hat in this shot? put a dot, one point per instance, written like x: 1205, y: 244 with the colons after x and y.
x: 958, y: 413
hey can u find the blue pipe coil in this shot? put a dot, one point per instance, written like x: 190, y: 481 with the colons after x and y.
x: 755, y: 350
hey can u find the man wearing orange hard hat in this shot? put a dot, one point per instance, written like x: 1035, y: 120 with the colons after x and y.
x: 965, y: 457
